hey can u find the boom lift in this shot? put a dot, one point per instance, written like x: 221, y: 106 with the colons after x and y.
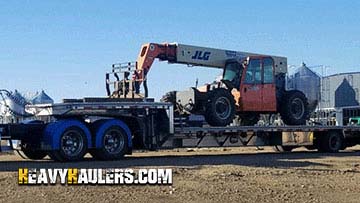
x: 251, y: 84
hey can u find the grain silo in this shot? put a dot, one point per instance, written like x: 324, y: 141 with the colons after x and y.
x: 12, y: 106
x: 307, y: 81
x: 42, y: 98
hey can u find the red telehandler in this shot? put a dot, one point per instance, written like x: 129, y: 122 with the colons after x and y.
x: 252, y: 84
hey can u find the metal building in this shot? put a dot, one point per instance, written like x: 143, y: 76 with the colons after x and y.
x: 340, y: 98
x: 340, y: 90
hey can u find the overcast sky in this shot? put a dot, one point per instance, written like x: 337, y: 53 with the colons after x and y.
x: 65, y: 47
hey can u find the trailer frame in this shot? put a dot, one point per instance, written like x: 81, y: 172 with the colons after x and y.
x: 154, y: 126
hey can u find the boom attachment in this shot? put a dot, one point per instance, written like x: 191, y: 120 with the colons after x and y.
x: 149, y: 52
x: 130, y: 88
x: 124, y: 87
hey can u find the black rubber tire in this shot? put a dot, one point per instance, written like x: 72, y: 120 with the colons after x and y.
x: 294, y: 102
x: 169, y: 97
x: 310, y: 147
x: 33, y: 154
x: 60, y: 155
x: 280, y: 148
x: 331, y: 142
x: 249, y: 119
x: 103, y: 154
x: 217, y: 100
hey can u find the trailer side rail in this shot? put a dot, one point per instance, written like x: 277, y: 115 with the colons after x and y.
x: 92, y: 107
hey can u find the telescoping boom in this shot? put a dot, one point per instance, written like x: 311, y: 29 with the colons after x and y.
x: 194, y: 56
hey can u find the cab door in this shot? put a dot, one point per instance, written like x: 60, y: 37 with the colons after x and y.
x: 250, y: 89
x: 268, y: 88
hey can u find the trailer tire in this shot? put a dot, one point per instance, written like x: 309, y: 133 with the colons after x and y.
x: 114, y: 140
x: 279, y: 148
x: 332, y: 142
x: 294, y: 108
x: 310, y: 147
x: 169, y: 97
x: 33, y: 154
x: 220, y: 107
x: 72, y: 144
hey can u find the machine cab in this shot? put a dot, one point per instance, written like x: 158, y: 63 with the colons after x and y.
x: 232, y: 74
x: 253, y: 81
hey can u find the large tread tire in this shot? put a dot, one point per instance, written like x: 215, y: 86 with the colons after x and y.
x: 249, y: 119
x: 169, y: 97
x: 220, y: 107
x: 294, y: 108
x: 114, y: 132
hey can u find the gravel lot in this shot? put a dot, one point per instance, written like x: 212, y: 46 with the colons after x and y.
x: 206, y: 175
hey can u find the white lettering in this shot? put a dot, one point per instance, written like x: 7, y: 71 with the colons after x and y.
x: 42, y: 178
x: 83, y: 176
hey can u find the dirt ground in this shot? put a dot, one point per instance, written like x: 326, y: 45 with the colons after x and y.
x: 206, y: 175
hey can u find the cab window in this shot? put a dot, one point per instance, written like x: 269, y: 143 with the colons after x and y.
x: 253, y: 72
x: 232, y: 73
x: 268, y: 65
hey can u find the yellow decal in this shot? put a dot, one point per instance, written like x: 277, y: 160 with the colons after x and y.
x: 72, y: 176
x: 23, y: 176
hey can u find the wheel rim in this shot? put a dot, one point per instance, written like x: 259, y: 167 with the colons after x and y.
x: 297, y: 108
x: 114, y: 141
x: 72, y: 142
x: 222, y: 107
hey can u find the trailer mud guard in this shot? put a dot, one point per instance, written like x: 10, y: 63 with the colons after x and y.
x: 54, y: 130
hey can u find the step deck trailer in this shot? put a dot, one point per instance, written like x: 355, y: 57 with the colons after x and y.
x: 109, y: 128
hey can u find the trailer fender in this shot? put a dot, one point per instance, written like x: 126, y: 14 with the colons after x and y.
x: 99, y: 133
x: 54, y: 130
x: 32, y: 122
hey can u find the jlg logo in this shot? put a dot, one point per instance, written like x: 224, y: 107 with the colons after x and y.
x: 201, y: 55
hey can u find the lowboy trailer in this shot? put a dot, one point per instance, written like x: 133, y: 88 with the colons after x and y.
x: 109, y: 128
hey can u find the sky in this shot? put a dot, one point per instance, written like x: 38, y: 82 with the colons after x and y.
x: 66, y: 47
